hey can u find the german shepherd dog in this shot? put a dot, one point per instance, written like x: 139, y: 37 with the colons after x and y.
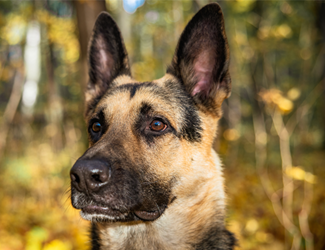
x: 150, y: 178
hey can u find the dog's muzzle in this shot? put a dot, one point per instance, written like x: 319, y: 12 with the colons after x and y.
x: 104, y: 193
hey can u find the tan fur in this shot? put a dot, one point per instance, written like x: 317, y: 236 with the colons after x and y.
x: 199, y: 189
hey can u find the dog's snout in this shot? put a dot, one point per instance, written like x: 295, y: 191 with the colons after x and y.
x: 90, y: 175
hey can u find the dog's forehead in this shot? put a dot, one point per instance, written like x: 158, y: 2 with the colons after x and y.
x: 127, y: 97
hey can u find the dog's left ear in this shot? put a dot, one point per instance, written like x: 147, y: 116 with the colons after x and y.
x: 201, y: 59
x: 107, y: 58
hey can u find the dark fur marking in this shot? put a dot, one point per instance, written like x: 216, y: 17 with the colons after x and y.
x: 133, y: 88
x: 172, y: 200
x: 191, y: 129
x: 92, y: 105
x: 145, y: 108
x: 155, y: 193
x: 95, y: 239
x: 217, y: 239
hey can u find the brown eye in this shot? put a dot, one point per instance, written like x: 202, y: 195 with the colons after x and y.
x: 96, y: 127
x: 157, y: 126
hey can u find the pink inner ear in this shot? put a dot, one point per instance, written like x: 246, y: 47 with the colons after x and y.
x: 106, y: 64
x: 203, y: 67
x: 106, y: 61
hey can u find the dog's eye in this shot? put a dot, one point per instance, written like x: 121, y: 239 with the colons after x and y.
x: 96, y: 127
x: 157, y: 126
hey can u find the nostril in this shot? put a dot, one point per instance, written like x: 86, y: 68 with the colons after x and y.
x: 96, y: 177
x: 75, y: 178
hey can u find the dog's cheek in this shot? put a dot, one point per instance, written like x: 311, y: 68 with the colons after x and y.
x: 163, y: 155
x: 156, y: 192
x: 169, y: 162
x: 125, y: 188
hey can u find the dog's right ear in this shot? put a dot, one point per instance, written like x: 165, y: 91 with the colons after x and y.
x: 107, y: 58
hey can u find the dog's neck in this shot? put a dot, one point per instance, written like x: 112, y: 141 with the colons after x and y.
x: 200, y: 217
x: 175, y: 229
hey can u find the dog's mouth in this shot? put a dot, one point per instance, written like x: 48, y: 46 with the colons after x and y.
x: 94, y: 209
x: 104, y: 214
x: 101, y: 213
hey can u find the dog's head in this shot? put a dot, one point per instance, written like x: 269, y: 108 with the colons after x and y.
x: 150, y: 142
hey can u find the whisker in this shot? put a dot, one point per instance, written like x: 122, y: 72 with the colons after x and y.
x: 158, y: 209
x: 68, y: 190
x: 148, y: 182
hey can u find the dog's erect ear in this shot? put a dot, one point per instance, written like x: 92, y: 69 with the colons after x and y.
x: 107, y: 57
x: 201, y: 58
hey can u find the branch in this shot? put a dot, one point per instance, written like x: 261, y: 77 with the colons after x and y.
x: 10, y: 110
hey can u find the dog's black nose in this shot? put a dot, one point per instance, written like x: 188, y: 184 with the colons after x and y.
x: 90, y: 175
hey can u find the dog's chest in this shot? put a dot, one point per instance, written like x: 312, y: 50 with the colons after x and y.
x: 141, y: 237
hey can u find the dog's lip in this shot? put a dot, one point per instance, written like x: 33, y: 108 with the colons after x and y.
x: 96, y: 209
x: 148, y: 215
x: 143, y: 215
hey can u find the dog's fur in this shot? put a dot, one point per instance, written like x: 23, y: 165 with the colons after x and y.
x: 144, y: 188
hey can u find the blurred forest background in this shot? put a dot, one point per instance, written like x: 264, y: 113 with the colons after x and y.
x: 271, y: 138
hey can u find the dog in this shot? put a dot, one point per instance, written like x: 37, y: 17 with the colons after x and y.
x: 150, y: 178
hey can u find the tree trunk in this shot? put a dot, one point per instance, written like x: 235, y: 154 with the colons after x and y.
x: 321, y: 25
x: 87, y: 12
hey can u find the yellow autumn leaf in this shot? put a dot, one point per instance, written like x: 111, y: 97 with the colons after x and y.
x: 231, y: 134
x: 270, y: 96
x: 293, y: 94
x: 35, y: 237
x: 284, y: 105
x: 299, y: 174
x: 252, y: 225
x: 243, y: 5
x: 296, y: 173
x: 274, y: 97
x: 283, y: 30
x: 309, y: 177
x: 57, y: 245
x: 264, y: 32
x: 264, y: 237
